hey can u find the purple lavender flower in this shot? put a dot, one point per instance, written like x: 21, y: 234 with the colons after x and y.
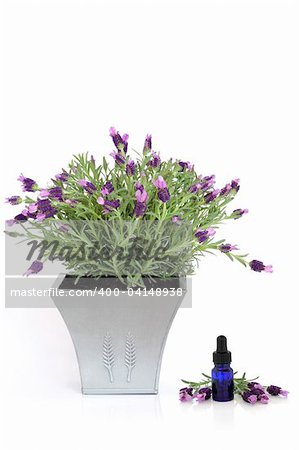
x: 160, y: 183
x: 121, y: 143
x: 204, y: 234
x: 62, y: 176
x: 185, y: 165
x: 44, y: 193
x: 239, y: 213
x: 258, y: 266
x: 108, y: 205
x: 130, y: 168
x: 200, y: 397
x: 186, y: 394
x: 163, y: 192
x: 194, y: 188
x: 207, y: 182
x: 20, y: 218
x: 258, y: 392
x: 235, y: 184
x: 164, y: 195
x: 31, y: 211
x: 276, y: 390
x: 283, y: 393
x: 35, y: 267
x: 107, y: 188
x: 211, y: 195
x: 206, y: 391
x: 139, y: 209
x: 249, y: 397
x: 118, y: 157
x: 264, y: 399
x: 226, y: 248
x: 155, y: 161
x: 141, y: 196
x: 176, y: 219
x: 226, y: 189
x: 45, y: 209
x: 114, y: 204
x: 29, y: 185
x: 139, y: 187
x: 14, y: 200
x: 147, y: 143
x: 140, y: 206
x: 56, y: 193
x: 87, y: 185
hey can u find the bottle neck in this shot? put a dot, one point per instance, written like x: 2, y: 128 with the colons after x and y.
x: 222, y: 366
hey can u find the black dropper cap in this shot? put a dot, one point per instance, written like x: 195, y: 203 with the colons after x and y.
x: 222, y: 355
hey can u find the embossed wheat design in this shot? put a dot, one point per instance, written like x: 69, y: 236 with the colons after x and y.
x: 130, y: 355
x: 108, y: 355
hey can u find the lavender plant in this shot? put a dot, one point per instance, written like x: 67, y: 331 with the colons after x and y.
x: 144, y: 193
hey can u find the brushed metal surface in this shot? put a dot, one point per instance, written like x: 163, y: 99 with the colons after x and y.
x: 119, y: 339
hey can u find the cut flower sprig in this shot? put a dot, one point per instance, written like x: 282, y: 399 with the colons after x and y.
x: 249, y: 389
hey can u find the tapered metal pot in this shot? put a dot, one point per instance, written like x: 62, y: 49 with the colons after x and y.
x: 119, y: 334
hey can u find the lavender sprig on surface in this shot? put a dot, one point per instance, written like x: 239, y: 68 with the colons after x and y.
x: 249, y: 389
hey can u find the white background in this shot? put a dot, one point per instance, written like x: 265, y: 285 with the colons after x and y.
x: 215, y: 82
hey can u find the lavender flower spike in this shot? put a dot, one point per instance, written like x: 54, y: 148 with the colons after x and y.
x: 147, y: 143
x: 14, y: 200
x: 87, y: 185
x: 204, y: 234
x: 140, y: 209
x: 239, y: 213
x: 164, y: 195
x: 141, y: 196
x: 163, y: 192
x: 118, y: 157
x: 207, y: 182
x: 186, y: 394
x: 249, y: 397
x: 107, y: 188
x: 226, y: 248
x: 121, y: 143
x: 258, y: 266
x: 155, y: 161
x: 29, y: 185
x: 264, y: 399
x: 62, y: 176
x: 226, y: 189
x: 160, y: 183
x: 109, y: 205
x: 130, y: 168
x: 211, y: 196
x: 185, y: 165
x: 276, y: 390
x: 35, y: 267
x: 140, y: 206
x: 235, y: 184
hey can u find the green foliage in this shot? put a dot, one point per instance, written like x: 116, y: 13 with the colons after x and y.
x: 88, y: 221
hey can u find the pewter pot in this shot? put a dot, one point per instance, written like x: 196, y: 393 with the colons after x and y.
x: 119, y: 334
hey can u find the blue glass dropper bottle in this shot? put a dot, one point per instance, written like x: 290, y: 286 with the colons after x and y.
x: 222, y: 373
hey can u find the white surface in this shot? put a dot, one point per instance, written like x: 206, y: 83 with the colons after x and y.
x: 215, y: 83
